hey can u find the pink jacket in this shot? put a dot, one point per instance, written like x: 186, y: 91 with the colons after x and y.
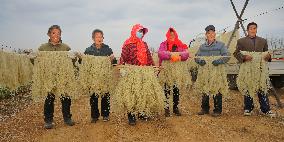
x: 164, y: 54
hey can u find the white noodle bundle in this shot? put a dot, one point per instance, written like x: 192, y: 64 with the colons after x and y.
x: 96, y: 75
x: 139, y: 91
x: 53, y: 72
x: 253, y: 75
x: 212, y: 79
x: 16, y: 70
x: 175, y: 73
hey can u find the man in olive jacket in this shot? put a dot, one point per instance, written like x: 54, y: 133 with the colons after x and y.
x: 253, y: 43
x: 55, y: 44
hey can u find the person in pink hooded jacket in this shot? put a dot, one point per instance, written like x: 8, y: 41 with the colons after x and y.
x: 172, y: 45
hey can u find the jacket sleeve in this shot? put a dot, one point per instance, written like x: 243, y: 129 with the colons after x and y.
x: 237, y: 54
x: 150, y: 61
x: 41, y: 48
x: 224, y: 52
x: 86, y: 51
x: 184, y: 55
x: 266, y: 49
x: 124, y: 55
x: 163, y: 53
x: 68, y: 48
x: 196, y: 59
x: 110, y: 52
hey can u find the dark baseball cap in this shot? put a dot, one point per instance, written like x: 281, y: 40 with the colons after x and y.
x: 210, y: 27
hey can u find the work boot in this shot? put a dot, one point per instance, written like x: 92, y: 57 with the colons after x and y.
x: 48, y: 125
x: 167, y: 112
x: 203, y: 112
x: 131, y: 119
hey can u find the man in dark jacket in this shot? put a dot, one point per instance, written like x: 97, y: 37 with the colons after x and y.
x: 98, y: 48
x: 253, y: 43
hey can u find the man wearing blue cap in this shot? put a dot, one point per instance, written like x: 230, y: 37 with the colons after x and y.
x: 212, y: 48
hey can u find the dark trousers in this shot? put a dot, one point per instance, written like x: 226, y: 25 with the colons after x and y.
x: 217, y: 103
x: 105, y: 105
x: 49, y: 107
x: 176, y: 95
x: 263, y: 101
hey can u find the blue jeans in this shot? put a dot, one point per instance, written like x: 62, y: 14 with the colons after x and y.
x: 263, y: 101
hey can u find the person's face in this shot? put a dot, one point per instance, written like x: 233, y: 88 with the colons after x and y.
x: 172, y: 36
x: 98, y: 38
x: 210, y: 35
x: 55, y: 35
x: 252, y: 30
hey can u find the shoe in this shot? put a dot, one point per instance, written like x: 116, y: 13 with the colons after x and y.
x: 203, y: 112
x: 132, y: 121
x: 167, y: 112
x: 177, y: 112
x: 270, y: 114
x: 247, y: 113
x: 105, y: 118
x: 216, y: 114
x: 94, y: 120
x: 143, y: 117
x: 69, y: 122
x: 48, y: 125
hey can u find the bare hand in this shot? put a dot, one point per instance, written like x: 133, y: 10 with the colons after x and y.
x: 247, y: 58
x: 77, y: 54
x: 267, y: 57
x: 111, y: 57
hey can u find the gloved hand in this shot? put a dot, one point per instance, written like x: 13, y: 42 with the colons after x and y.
x: 201, y: 62
x: 175, y: 58
x: 217, y: 62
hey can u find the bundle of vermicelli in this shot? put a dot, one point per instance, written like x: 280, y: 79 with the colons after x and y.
x: 253, y: 75
x: 25, y: 69
x: 16, y: 70
x: 155, y: 58
x: 53, y: 72
x: 191, y: 64
x: 175, y: 73
x: 211, y: 79
x: 96, y: 75
x: 138, y: 91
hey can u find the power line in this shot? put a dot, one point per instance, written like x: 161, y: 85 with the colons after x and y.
x: 265, y: 13
x: 257, y: 15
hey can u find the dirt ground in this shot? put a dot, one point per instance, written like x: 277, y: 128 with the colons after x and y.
x: 27, y: 124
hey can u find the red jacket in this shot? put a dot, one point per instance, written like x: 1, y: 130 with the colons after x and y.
x: 129, y: 56
x: 134, y: 50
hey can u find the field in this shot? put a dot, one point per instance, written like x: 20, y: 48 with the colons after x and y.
x: 22, y: 120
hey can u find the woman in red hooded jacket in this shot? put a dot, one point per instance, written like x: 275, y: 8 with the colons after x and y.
x: 135, y: 52
x: 166, y: 50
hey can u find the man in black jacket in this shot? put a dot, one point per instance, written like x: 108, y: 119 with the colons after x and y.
x: 98, y: 48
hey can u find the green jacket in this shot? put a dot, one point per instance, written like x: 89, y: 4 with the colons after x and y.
x: 58, y: 47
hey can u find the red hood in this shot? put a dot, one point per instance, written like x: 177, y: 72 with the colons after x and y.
x: 136, y: 28
x: 141, y: 48
x: 176, y: 42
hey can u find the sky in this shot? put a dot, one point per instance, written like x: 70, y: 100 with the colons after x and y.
x: 24, y: 23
